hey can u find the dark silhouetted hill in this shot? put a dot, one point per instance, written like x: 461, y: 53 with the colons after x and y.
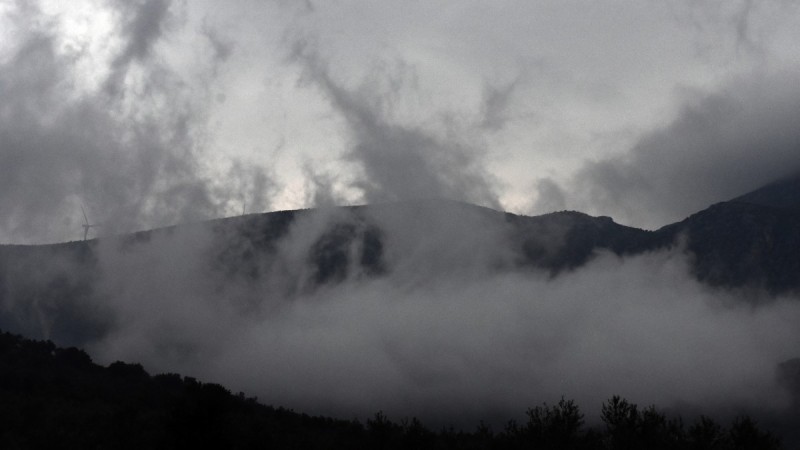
x: 783, y: 193
x: 53, y: 397
x: 750, y: 242
x: 742, y: 245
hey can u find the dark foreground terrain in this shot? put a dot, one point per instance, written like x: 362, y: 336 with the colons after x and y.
x: 54, y: 397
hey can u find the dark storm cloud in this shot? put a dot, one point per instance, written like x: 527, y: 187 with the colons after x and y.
x: 398, y: 161
x: 133, y: 159
x: 720, y: 146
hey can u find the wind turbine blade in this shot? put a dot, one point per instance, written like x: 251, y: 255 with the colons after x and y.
x: 85, y: 219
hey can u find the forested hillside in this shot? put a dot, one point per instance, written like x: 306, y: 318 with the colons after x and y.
x: 55, y: 397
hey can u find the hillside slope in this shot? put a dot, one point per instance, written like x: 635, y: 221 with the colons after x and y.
x: 58, y: 398
x: 57, y: 291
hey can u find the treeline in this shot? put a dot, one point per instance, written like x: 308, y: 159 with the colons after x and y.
x: 58, y: 398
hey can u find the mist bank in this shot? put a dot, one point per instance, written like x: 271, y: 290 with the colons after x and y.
x: 440, y: 310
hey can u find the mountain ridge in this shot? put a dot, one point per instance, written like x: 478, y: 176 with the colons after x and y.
x: 738, y: 244
x: 782, y: 193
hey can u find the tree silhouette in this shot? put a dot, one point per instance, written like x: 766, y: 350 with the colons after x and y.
x: 554, y: 427
x: 58, y: 398
x: 745, y: 435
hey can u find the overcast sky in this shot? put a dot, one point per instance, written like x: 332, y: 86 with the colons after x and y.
x: 154, y: 112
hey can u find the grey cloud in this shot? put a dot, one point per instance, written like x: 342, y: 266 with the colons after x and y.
x: 34, y: 163
x: 398, y: 162
x: 496, y: 100
x: 742, y: 23
x: 551, y: 196
x: 223, y: 48
x: 305, y: 6
x: 142, y: 26
x: 320, y: 188
x: 135, y: 160
x: 255, y: 188
x: 737, y: 27
x: 720, y: 146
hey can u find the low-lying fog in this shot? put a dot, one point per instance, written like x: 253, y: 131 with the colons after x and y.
x: 444, y: 334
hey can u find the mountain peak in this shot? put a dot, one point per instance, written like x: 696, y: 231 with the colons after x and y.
x: 783, y: 193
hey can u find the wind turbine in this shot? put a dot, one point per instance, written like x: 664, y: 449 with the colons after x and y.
x: 86, y: 225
